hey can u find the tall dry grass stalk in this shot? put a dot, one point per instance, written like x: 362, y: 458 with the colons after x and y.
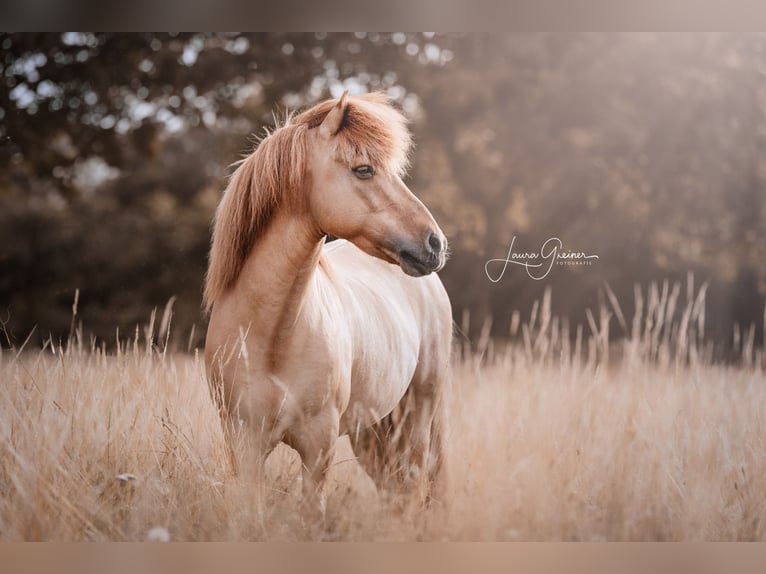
x: 561, y: 434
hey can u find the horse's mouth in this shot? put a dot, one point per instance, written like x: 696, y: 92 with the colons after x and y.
x: 416, y: 266
x: 412, y: 265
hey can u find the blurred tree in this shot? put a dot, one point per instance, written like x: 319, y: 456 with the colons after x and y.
x: 646, y: 150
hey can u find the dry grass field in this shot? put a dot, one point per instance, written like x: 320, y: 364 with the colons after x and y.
x: 550, y: 438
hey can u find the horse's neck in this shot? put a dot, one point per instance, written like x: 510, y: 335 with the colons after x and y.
x: 276, y: 278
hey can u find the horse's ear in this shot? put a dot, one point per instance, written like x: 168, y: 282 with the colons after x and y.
x: 334, y: 121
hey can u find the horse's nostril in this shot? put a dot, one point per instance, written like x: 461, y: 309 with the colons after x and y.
x: 434, y: 242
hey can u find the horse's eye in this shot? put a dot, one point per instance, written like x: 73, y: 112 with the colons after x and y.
x: 364, y: 171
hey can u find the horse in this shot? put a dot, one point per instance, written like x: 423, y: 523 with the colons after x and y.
x: 309, y: 340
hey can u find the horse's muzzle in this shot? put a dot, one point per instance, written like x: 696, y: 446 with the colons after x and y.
x: 419, y: 260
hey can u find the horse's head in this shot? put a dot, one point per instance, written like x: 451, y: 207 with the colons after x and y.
x: 357, y: 154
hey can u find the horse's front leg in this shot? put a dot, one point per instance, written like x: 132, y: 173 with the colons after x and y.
x: 419, y: 446
x: 438, y: 482
x: 407, y: 446
x: 314, y: 438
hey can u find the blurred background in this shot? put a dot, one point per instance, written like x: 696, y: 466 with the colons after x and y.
x: 647, y: 150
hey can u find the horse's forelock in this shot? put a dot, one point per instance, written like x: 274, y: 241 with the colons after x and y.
x: 371, y: 127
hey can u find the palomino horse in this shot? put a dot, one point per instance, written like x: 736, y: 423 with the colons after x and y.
x: 309, y: 341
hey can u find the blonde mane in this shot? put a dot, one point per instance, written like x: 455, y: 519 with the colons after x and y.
x: 372, y: 131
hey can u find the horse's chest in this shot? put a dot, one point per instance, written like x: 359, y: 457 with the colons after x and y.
x: 380, y: 376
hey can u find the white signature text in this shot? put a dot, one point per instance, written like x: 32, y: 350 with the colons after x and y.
x: 537, y: 264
